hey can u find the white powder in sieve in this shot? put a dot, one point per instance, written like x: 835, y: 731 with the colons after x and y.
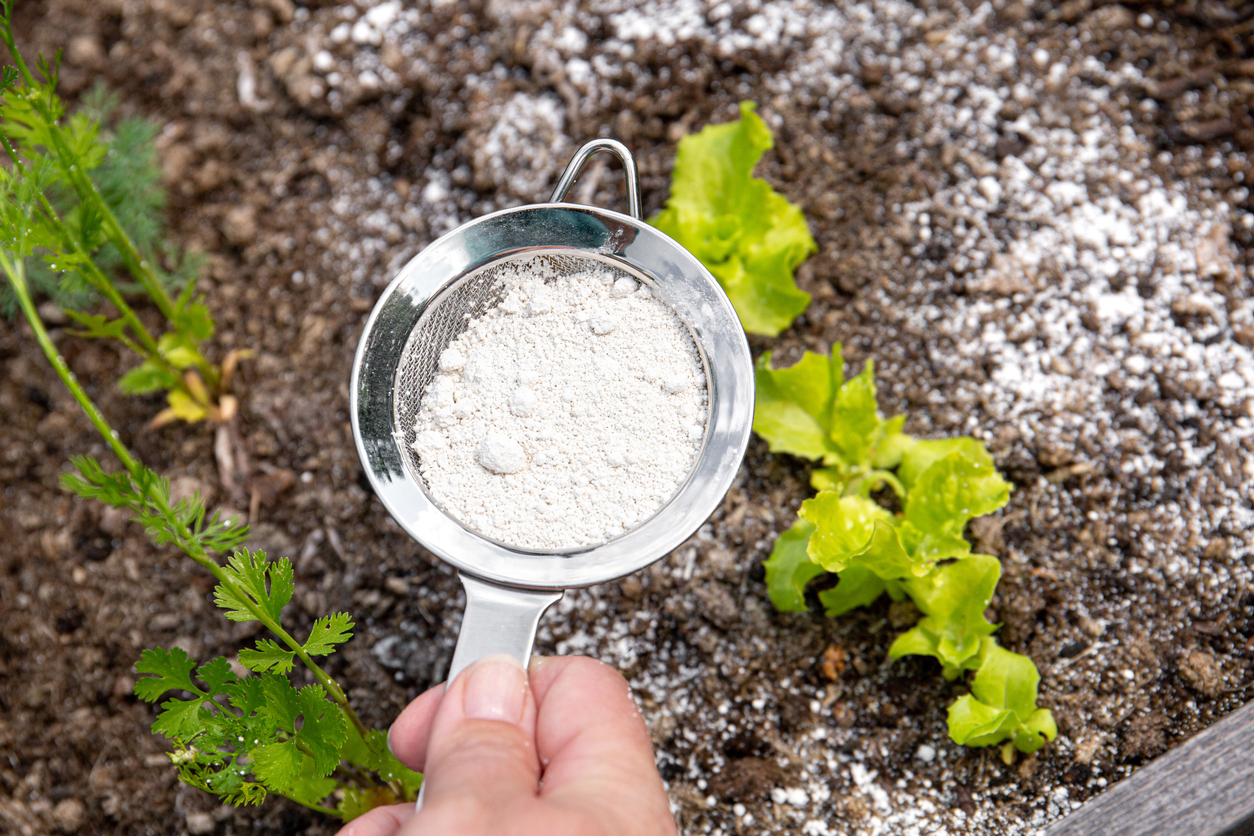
x: 565, y: 415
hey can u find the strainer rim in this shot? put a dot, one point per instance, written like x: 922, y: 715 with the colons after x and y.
x: 618, y: 238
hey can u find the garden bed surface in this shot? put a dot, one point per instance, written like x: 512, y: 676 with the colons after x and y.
x: 1034, y: 217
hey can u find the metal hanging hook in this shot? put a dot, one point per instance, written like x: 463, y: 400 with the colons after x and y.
x: 577, y: 163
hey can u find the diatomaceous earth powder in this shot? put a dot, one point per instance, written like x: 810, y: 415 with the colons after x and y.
x: 567, y: 414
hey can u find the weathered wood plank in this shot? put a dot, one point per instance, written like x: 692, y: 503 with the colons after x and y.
x: 1204, y: 787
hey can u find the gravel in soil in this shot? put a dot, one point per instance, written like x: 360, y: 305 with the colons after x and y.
x: 1035, y: 217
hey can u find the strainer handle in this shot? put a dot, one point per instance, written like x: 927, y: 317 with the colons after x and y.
x: 577, y: 162
x: 498, y: 619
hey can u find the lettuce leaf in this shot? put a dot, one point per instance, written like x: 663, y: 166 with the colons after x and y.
x: 748, y: 235
x: 952, y: 599
x: 1002, y: 703
x: 953, y: 491
x: 810, y: 410
x: 789, y: 568
x: 793, y: 406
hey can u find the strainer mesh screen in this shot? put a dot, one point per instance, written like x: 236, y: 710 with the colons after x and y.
x: 450, y: 313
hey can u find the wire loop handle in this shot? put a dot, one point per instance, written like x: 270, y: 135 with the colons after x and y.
x: 577, y: 162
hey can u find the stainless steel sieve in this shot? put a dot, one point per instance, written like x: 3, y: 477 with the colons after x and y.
x: 431, y: 301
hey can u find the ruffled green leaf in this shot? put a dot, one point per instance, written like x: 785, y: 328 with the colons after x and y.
x: 953, y: 491
x: 789, y: 568
x: 1002, y: 703
x: 843, y: 526
x: 952, y: 598
x: 858, y: 587
x: 748, y: 235
x: 856, y: 424
x: 922, y: 454
x: 793, y: 406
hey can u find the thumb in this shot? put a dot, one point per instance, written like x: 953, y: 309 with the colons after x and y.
x: 481, y: 757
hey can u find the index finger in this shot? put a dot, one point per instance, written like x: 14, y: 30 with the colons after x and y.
x: 594, y: 745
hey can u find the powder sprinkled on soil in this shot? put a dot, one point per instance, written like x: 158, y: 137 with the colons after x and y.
x: 565, y: 415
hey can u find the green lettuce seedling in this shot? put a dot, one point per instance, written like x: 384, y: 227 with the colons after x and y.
x: 1002, y: 704
x: 811, y: 410
x: 748, y: 235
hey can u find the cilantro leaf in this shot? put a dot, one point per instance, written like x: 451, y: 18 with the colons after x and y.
x: 358, y: 802
x: 790, y: 568
x: 171, y: 671
x: 179, y: 720
x: 322, y: 728
x: 268, y: 656
x: 951, y: 492
x: 277, y: 765
x: 327, y: 632
x: 280, y: 701
x: 216, y: 674
x: 145, y: 378
x: 250, y: 570
x: 748, y: 235
x: 952, y: 598
x: 246, y: 695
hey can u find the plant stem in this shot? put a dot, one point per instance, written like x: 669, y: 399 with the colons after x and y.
x: 317, y: 808
x: 186, y: 540
x: 87, y: 193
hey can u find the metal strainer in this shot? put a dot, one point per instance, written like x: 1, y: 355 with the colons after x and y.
x: 432, y: 301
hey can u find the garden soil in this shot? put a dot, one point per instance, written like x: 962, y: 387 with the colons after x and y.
x: 1034, y: 217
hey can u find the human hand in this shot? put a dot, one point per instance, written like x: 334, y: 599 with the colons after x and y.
x: 560, y: 752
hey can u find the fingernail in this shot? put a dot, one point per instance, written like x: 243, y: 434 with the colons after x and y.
x: 390, y: 741
x: 496, y: 689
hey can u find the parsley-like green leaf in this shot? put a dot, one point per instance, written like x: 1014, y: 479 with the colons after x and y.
x: 250, y: 571
x: 280, y: 701
x: 790, y: 568
x: 179, y: 720
x: 216, y: 674
x: 327, y: 632
x: 145, y: 378
x: 322, y: 728
x: 171, y: 671
x: 748, y: 235
x: 952, y: 598
x: 277, y: 765
x: 268, y: 656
